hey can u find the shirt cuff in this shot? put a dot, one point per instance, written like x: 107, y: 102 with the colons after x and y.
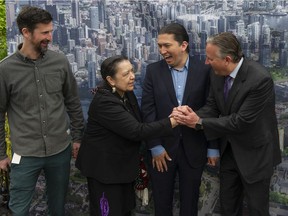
x: 157, y: 150
x: 213, y: 153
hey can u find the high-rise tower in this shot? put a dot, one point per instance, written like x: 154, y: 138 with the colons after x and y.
x: 75, y: 11
x: 94, y: 18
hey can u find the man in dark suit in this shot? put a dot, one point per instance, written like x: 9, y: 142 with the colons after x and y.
x: 176, y: 80
x: 245, y: 122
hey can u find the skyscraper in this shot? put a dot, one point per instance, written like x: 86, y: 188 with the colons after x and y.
x: 92, y: 80
x: 240, y: 28
x: 222, y: 24
x: 94, y: 18
x: 265, y: 55
x: 10, y: 13
x: 53, y: 11
x: 102, y: 11
x: 75, y: 11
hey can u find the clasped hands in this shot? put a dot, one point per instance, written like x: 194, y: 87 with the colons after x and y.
x: 184, y: 115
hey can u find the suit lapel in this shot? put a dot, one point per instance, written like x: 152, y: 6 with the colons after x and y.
x: 189, y: 81
x: 168, y: 82
x: 219, y: 95
x: 237, y: 85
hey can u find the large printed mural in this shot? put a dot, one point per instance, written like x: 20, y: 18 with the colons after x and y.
x: 88, y: 31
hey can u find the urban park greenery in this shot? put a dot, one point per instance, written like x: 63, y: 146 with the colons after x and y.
x: 3, y: 54
x: 3, y: 50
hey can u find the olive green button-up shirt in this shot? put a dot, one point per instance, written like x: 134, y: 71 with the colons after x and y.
x: 42, y: 103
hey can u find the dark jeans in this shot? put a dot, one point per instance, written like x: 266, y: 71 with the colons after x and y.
x: 24, y: 176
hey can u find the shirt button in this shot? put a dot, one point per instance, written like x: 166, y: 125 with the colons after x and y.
x: 44, y: 122
x: 40, y: 95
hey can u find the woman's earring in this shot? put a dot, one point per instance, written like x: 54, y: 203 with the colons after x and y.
x: 113, y: 89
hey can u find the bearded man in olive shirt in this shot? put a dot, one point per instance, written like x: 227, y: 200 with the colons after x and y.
x: 39, y: 93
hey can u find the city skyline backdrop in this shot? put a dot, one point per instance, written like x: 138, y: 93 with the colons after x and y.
x: 89, y: 31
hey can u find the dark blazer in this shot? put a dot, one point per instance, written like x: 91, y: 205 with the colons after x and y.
x: 247, y: 120
x: 110, y: 147
x: 159, y: 99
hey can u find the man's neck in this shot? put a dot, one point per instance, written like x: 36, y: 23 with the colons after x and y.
x: 232, y: 68
x: 180, y: 66
x: 29, y: 52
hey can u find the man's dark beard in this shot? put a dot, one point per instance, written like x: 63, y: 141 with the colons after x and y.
x: 41, y: 49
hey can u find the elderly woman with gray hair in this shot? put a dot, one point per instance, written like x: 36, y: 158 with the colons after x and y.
x: 109, y: 153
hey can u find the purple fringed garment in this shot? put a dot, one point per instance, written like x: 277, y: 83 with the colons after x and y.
x: 104, y: 205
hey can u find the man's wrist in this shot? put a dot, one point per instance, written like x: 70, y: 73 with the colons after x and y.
x: 157, y: 150
x: 199, y: 125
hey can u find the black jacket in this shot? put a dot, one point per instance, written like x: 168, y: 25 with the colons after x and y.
x: 110, y: 148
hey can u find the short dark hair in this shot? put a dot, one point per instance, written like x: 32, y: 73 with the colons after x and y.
x: 228, y: 45
x: 30, y: 16
x: 109, y: 66
x: 179, y: 32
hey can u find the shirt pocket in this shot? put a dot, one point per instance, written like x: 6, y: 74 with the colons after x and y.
x: 53, y: 82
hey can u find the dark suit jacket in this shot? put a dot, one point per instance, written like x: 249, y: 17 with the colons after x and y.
x: 110, y: 147
x: 159, y: 99
x: 247, y: 120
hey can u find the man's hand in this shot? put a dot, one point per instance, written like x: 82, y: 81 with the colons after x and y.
x: 160, y: 161
x: 75, y: 149
x: 5, y: 164
x: 212, y: 161
x: 175, y: 112
x: 186, y: 116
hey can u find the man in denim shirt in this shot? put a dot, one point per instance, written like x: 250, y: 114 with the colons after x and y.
x: 177, y: 79
x: 39, y: 93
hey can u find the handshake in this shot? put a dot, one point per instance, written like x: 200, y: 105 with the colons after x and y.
x: 184, y: 115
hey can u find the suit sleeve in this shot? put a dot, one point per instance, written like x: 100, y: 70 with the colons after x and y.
x: 148, y: 106
x: 210, y: 110
x: 112, y: 115
x: 250, y: 108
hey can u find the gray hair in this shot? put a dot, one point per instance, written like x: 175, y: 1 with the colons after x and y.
x: 228, y: 45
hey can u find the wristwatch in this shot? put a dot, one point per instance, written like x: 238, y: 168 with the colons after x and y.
x: 199, y: 125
